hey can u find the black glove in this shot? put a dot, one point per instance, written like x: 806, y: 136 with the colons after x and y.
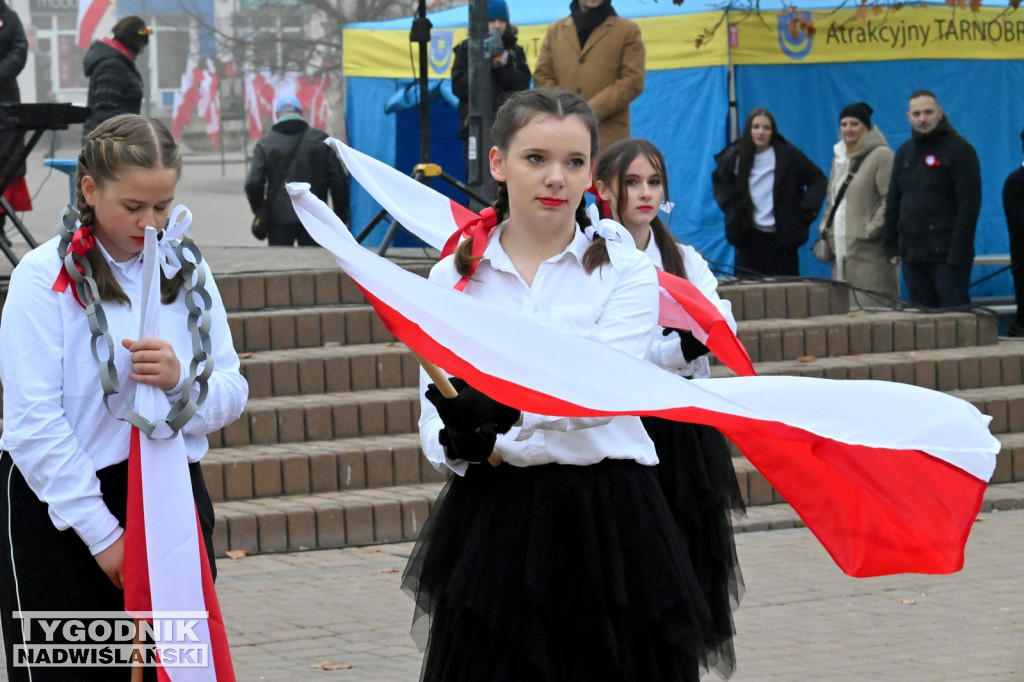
x: 494, y: 49
x: 692, y: 348
x: 471, y: 446
x: 471, y: 409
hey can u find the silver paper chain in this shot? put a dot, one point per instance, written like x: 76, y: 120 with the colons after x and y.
x: 201, y: 366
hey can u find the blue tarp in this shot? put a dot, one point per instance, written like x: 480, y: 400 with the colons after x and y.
x: 982, y: 100
x: 685, y: 111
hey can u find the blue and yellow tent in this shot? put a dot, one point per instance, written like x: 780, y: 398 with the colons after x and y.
x: 972, y: 60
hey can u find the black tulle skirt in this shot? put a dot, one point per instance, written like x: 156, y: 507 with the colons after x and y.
x: 556, y: 573
x: 699, y: 482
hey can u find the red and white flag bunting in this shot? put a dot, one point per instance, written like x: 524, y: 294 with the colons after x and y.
x: 90, y: 12
x: 889, y: 477
x: 166, y: 568
x: 434, y: 218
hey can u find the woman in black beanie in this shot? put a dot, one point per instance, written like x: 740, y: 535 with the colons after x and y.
x: 115, y: 85
x: 854, y: 217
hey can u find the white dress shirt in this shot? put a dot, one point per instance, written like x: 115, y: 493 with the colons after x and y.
x: 666, y: 351
x: 55, y: 424
x: 617, y: 304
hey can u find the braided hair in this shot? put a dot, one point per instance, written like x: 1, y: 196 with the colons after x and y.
x: 518, y: 110
x: 611, y: 170
x: 128, y: 141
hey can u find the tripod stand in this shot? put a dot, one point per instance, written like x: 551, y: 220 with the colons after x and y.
x: 480, y: 92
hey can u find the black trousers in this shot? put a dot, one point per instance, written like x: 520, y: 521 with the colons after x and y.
x: 763, y: 254
x: 289, y: 235
x: 45, y: 569
x: 937, y: 285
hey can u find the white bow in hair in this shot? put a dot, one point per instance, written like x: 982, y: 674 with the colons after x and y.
x: 177, y: 225
x: 609, y: 230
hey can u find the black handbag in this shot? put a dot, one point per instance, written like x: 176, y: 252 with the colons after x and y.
x: 261, y: 220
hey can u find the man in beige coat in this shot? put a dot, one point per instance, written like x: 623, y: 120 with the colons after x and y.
x: 599, y: 56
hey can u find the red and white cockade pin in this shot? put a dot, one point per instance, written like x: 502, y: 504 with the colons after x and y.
x: 931, y: 161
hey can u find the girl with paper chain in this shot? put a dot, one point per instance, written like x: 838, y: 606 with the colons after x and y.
x: 63, y: 468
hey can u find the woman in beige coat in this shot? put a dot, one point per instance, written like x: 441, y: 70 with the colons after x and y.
x: 856, y: 230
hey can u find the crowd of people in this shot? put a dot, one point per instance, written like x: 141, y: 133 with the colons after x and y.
x: 596, y: 548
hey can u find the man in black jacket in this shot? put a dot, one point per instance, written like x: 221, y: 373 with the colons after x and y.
x: 931, y: 212
x: 1013, y: 205
x: 293, y: 151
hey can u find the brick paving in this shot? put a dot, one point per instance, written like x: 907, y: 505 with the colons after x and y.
x: 800, y: 619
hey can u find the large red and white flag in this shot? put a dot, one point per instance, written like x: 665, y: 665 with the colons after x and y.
x: 186, y: 98
x: 167, y: 572
x: 208, y: 105
x: 889, y: 477
x: 440, y: 222
x: 90, y: 12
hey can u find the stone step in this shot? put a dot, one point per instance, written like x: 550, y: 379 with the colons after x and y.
x: 774, y: 340
x: 1005, y: 404
x: 319, y: 323
x: 1010, y: 462
x: 750, y: 300
x: 312, y: 327
x: 757, y: 491
x: 784, y: 300
x: 322, y: 521
x: 327, y: 416
x: 330, y: 369
x: 259, y: 290
x: 316, y: 467
x: 946, y: 369
x: 396, y: 514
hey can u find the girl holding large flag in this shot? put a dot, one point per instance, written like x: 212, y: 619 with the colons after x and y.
x: 695, y: 465
x: 563, y: 562
x: 63, y: 468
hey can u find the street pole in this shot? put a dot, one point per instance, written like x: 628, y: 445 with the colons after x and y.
x: 481, y: 111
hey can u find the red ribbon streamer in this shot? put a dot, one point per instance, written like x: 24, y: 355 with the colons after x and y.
x: 81, y: 242
x: 475, y: 227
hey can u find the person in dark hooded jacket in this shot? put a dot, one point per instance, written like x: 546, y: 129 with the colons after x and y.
x: 294, y: 151
x: 931, y: 212
x: 13, y: 53
x: 115, y: 85
x: 770, y: 193
x: 510, y: 71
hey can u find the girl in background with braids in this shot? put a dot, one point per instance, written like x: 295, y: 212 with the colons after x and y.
x: 63, y: 465
x: 563, y: 562
x: 695, y: 465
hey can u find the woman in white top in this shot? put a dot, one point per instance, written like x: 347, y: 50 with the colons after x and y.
x: 770, y: 193
x: 695, y: 465
x: 563, y: 562
x: 63, y: 466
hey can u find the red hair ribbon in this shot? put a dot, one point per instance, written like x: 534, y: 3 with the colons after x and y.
x: 81, y: 242
x: 475, y: 227
x: 603, y: 208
